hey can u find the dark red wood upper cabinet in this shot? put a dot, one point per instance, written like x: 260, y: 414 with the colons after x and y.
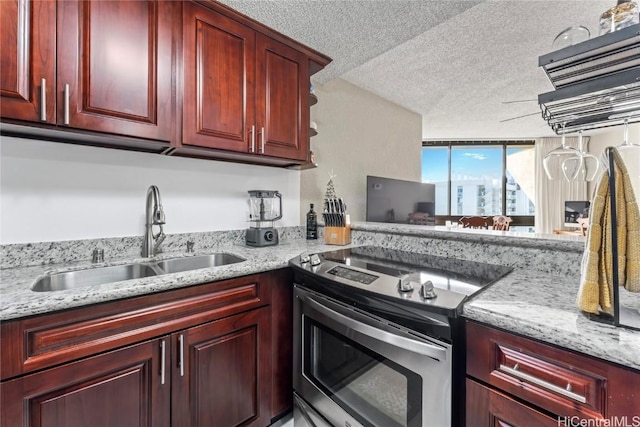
x: 183, y: 77
x: 28, y: 62
x: 243, y: 91
x: 116, y: 66
x: 282, y: 100
x: 219, y: 63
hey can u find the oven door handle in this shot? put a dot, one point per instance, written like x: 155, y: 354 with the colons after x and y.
x: 412, y: 345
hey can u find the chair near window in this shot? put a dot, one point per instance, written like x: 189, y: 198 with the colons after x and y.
x: 474, y: 222
x: 584, y: 224
x: 501, y: 222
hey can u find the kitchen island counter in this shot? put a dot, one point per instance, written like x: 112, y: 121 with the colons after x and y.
x: 543, y: 307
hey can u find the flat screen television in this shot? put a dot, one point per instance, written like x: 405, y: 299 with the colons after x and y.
x: 573, y: 210
x: 392, y: 200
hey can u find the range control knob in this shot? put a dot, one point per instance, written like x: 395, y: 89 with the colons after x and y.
x: 426, y: 290
x: 404, y: 283
x: 315, y: 259
x: 304, y: 258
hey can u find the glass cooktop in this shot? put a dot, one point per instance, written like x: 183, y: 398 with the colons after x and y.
x: 465, y: 277
x: 372, y: 270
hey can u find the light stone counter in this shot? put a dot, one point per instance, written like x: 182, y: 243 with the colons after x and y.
x: 18, y: 300
x: 536, y: 300
x: 543, y: 306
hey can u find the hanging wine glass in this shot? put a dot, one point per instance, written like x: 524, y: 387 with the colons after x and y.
x: 554, y: 162
x: 626, y: 145
x: 583, y: 167
x: 629, y: 152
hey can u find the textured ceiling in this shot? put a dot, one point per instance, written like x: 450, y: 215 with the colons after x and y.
x: 457, y: 63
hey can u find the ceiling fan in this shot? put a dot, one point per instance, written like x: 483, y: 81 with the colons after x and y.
x: 519, y: 101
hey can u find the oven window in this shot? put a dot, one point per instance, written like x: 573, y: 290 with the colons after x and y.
x: 372, y: 389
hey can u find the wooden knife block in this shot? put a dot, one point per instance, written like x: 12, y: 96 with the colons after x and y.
x: 337, y: 235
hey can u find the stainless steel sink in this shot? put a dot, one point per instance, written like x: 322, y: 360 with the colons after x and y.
x: 93, y: 276
x: 176, y: 265
x: 118, y: 273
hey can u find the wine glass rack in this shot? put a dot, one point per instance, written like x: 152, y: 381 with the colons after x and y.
x: 597, y: 82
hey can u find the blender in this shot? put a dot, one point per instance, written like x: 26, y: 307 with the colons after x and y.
x: 264, y: 210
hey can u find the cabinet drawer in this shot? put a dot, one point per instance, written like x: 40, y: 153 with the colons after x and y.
x: 486, y: 407
x: 47, y: 340
x: 555, y: 380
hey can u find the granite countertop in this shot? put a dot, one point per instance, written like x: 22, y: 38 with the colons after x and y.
x: 505, y: 238
x: 17, y: 300
x: 543, y: 306
x: 529, y: 302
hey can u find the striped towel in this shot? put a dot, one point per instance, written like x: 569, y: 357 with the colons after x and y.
x: 596, y: 281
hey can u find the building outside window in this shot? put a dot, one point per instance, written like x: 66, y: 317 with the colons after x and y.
x: 482, y: 179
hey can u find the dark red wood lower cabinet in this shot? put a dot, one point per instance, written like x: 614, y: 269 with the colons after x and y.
x: 120, y: 388
x: 489, y: 408
x: 281, y: 342
x: 525, y: 378
x: 217, y: 354
x: 226, y: 377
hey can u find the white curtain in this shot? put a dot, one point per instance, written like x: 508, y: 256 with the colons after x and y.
x: 551, y: 194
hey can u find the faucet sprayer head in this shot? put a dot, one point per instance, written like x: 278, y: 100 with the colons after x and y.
x: 158, y: 215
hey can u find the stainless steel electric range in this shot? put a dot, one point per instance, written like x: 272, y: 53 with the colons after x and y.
x: 378, y: 337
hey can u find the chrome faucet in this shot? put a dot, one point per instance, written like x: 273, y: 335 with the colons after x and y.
x: 154, y: 215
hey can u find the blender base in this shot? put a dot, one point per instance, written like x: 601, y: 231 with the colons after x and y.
x: 261, y: 237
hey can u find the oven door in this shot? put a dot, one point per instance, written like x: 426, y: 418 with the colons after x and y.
x: 356, y: 369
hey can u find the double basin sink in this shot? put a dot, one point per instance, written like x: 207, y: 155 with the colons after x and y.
x: 139, y: 270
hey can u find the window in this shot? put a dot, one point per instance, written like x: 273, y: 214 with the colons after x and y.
x: 520, y: 174
x: 481, y: 178
x: 435, y: 170
x: 478, y: 171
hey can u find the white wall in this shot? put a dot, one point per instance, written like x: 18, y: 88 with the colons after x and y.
x: 359, y: 134
x: 614, y: 136
x: 53, y: 191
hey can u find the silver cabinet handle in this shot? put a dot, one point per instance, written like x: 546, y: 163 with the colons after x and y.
x: 252, y: 149
x: 43, y: 99
x: 262, y: 140
x: 181, y: 361
x: 66, y: 104
x: 162, y: 361
x: 544, y: 384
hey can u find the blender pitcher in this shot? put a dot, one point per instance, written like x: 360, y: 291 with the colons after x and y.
x: 263, y: 211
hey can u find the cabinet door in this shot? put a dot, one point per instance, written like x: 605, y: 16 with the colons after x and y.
x: 282, y: 100
x: 219, y: 68
x: 121, y: 388
x: 115, y: 67
x: 27, y: 76
x: 488, y: 408
x: 222, y: 372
